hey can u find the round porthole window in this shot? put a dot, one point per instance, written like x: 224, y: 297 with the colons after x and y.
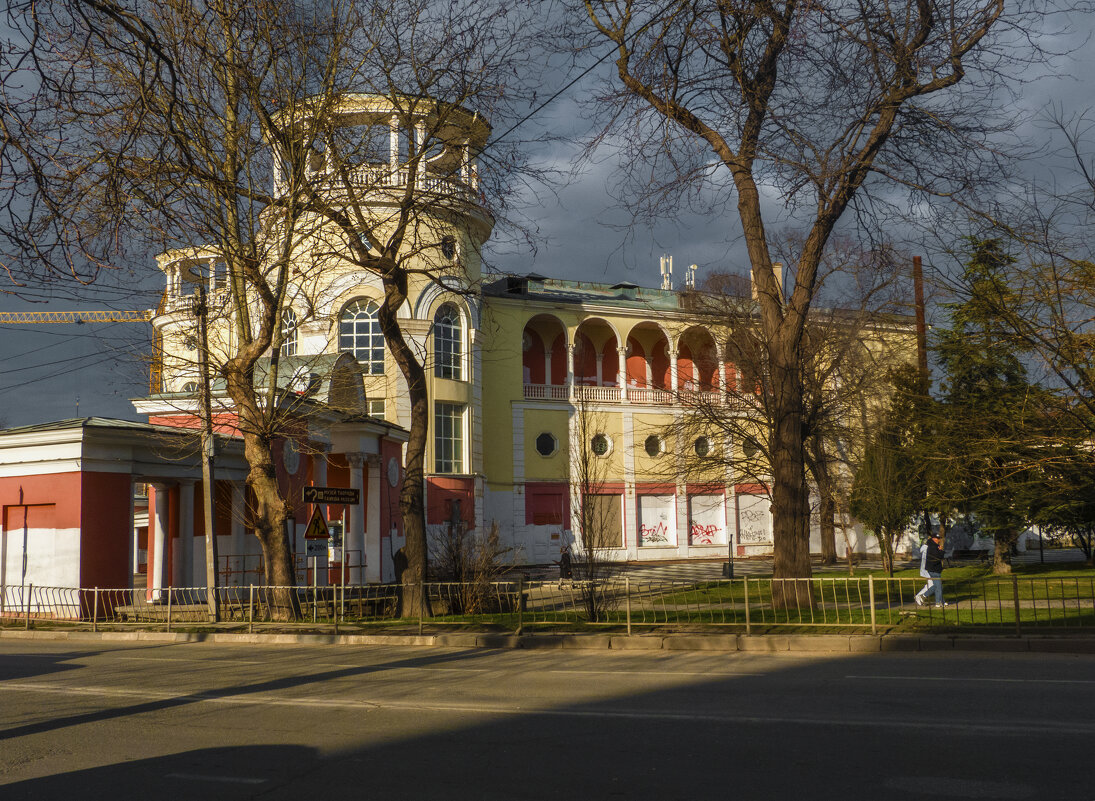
x: 702, y: 447
x: 653, y: 445
x: 749, y: 449
x: 546, y: 444
x: 600, y: 444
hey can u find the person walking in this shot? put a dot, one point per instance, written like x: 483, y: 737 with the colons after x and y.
x: 931, y: 568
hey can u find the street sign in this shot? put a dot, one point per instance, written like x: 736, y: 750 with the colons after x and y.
x: 315, y: 548
x: 317, y: 527
x: 336, y: 495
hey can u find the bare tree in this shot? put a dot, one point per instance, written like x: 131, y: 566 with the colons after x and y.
x: 846, y: 353
x: 824, y: 107
x: 597, y: 512
x: 246, y: 133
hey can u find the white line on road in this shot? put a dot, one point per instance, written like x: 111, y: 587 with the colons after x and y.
x: 974, y: 679
x: 1011, y: 728
x: 655, y: 673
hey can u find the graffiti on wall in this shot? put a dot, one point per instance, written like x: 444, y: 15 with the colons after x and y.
x: 754, y: 527
x: 704, y: 535
x: 653, y: 535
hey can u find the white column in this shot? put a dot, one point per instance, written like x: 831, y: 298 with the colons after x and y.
x: 547, y: 366
x: 465, y: 162
x: 570, y: 370
x: 212, y: 268
x: 720, y: 372
x: 600, y: 372
x: 393, y: 142
x: 420, y: 146
x: 673, y: 371
x: 354, y: 538
x: 184, y: 556
x: 373, y: 535
x: 157, y: 531
x: 621, y: 372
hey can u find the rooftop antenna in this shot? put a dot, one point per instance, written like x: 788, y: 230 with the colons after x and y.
x: 690, y: 276
x: 667, y: 272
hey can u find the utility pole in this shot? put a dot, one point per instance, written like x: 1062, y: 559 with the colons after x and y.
x: 206, y: 413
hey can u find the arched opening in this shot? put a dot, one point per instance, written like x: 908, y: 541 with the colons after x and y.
x: 596, y: 355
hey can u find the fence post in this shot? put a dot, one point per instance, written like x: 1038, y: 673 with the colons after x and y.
x: 169, y: 594
x: 748, y: 625
x: 30, y: 592
x: 251, y: 609
x: 1015, y: 599
x: 870, y: 594
x: 95, y: 610
x: 520, y: 605
x: 627, y: 591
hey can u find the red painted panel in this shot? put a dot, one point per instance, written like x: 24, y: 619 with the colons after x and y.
x: 706, y: 488
x: 559, y: 361
x: 105, y: 531
x: 223, y: 422
x: 610, y: 363
x: 441, y: 492
x: 686, y: 377
x: 636, y: 364
x: 659, y: 366
x: 60, y: 489
x: 585, y: 361
x: 532, y: 357
x: 655, y: 488
x: 706, y: 367
x: 751, y: 489
x: 547, y: 504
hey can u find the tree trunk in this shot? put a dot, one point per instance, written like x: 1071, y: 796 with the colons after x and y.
x: 827, y: 513
x: 790, y: 495
x: 1001, y: 552
x: 412, y: 506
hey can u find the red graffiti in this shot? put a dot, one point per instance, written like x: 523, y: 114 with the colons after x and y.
x: 703, y: 535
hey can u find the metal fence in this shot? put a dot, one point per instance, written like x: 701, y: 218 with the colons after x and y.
x: 751, y: 604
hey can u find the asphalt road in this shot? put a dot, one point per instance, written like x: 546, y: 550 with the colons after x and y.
x: 212, y: 721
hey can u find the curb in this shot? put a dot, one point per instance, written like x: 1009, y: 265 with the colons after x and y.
x: 744, y: 643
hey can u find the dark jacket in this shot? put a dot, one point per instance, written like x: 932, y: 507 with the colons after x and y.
x: 933, y: 562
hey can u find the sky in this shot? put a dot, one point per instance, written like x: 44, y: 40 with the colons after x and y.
x: 52, y: 372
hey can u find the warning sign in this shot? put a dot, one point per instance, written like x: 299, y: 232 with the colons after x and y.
x: 317, y: 527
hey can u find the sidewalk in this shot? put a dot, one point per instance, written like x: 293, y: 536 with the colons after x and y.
x: 757, y: 643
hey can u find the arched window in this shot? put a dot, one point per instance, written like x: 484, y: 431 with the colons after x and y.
x: 288, y: 332
x: 448, y: 348
x: 359, y: 334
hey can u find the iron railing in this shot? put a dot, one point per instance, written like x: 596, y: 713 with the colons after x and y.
x: 872, y: 604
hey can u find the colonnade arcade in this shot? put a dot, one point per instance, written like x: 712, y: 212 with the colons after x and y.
x: 644, y: 363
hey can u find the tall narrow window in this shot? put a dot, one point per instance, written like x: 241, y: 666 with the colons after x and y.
x: 359, y: 334
x: 448, y: 438
x: 288, y: 333
x: 448, y: 343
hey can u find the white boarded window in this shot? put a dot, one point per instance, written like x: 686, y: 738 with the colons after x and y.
x: 754, y: 520
x: 657, y: 520
x: 706, y: 520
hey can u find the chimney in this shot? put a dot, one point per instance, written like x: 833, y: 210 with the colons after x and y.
x: 777, y: 272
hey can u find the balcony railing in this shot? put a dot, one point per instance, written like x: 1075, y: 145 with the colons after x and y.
x: 637, y: 395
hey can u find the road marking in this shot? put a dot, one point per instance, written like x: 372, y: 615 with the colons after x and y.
x: 198, y: 777
x: 974, y: 680
x: 704, y: 673
x: 214, y: 662
x: 1010, y: 728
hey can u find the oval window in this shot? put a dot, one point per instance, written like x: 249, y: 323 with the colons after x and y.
x: 702, y: 447
x: 599, y: 444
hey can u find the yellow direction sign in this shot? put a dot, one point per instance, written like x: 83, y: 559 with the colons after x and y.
x: 317, y: 527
